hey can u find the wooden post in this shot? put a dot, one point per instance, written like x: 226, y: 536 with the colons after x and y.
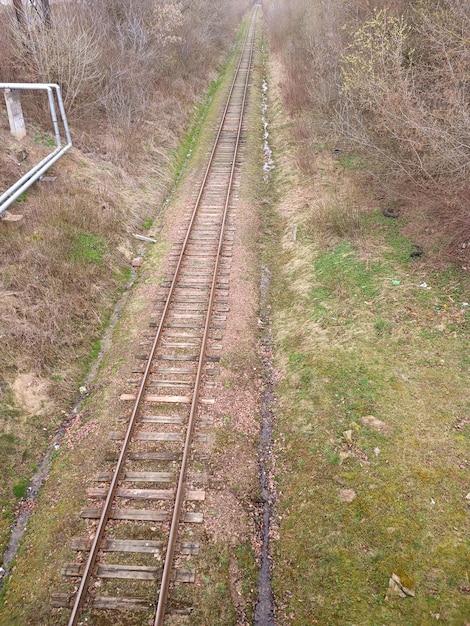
x: 15, y: 113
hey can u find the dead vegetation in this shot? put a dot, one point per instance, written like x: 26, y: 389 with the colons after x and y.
x: 387, y: 81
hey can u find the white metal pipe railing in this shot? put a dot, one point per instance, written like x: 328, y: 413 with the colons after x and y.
x: 15, y: 191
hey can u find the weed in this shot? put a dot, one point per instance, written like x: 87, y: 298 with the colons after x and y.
x: 329, y: 454
x: 215, y: 607
x: 8, y: 439
x: 20, y: 489
x: 95, y: 350
x: 88, y: 249
x: 22, y: 197
x: 7, y: 512
x: 383, y: 327
x: 44, y: 139
x: 147, y: 223
x: 339, y: 272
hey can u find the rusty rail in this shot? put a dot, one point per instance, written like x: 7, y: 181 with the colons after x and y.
x: 244, y: 66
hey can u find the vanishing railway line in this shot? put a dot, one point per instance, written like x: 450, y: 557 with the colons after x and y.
x: 138, y: 546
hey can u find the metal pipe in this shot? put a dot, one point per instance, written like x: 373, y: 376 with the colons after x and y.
x: 25, y: 178
x: 11, y: 194
x: 32, y: 180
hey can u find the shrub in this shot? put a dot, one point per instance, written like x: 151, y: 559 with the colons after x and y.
x: 405, y: 91
x: 67, y: 53
x: 113, y: 58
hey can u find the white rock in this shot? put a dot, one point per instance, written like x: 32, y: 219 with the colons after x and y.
x: 347, y: 495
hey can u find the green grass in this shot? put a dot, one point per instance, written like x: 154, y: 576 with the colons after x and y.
x: 44, y: 139
x: 20, y: 489
x: 351, y: 344
x: 95, y: 349
x: 215, y: 605
x: 352, y: 162
x: 147, y: 223
x: 339, y: 272
x: 88, y: 249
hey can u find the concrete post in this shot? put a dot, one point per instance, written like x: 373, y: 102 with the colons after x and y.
x: 15, y: 113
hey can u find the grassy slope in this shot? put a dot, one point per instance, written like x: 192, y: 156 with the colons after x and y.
x: 350, y: 343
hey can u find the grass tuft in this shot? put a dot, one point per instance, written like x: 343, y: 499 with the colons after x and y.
x: 20, y: 489
x: 88, y: 249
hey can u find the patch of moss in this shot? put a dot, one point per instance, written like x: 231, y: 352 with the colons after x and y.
x: 88, y: 249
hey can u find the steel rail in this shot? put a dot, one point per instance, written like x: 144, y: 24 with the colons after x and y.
x: 106, y: 511
x: 179, y: 498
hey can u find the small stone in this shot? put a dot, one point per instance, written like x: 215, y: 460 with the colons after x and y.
x: 10, y: 218
x: 376, y: 451
x: 394, y: 589
x: 467, y: 497
x: 137, y: 261
x: 348, y: 435
x: 343, y: 456
x: 400, y: 586
x: 347, y: 495
x: 372, y: 422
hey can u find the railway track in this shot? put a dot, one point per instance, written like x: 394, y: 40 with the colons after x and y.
x: 143, y: 508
